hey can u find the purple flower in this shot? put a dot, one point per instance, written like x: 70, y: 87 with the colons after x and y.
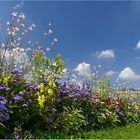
x: 3, y: 102
x: 17, y: 72
x: 34, y: 87
x: 24, y: 105
x: 7, y: 89
x: 4, y: 116
x: 2, y: 86
x: 17, y: 97
x: 54, y: 110
x: 15, y: 81
x: 16, y: 134
x: 21, y: 93
x: 1, y: 97
x: 3, y: 108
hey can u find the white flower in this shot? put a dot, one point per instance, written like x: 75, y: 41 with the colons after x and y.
x: 8, y: 22
x: 49, y: 24
x: 54, y: 63
x: 55, y: 39
x: 19, y: 38
x: 45, y: 33
x: 65, y: 70
x: 22, y: 25
x: 48, y: 49
x: 28, y: 49
x: 21, y: 16
x: 33, y: 25
x: 3, y: 45
x: 14, y: 14
x: 18, y: 20
x: 16, y: 29
x: 50, y: 31
x: 30, y: 28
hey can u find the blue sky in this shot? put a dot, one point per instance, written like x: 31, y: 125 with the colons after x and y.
x: 97, y: 33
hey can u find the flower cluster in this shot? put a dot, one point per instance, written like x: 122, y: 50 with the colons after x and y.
x: 32, y: 94
x: 4, y: 111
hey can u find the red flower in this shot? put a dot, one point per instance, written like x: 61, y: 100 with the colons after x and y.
x: 109, y: 101
x: 119, y: 104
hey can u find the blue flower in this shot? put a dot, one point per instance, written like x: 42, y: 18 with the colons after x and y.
x: 21, y: 93
x: 2, y: 86
x: 54, y: 110
x: 3, y: 102
x: 17, y: 72
x: 17, y: 97
x: 34, y: 87
x: 7, y: 89
x: 3, y: 108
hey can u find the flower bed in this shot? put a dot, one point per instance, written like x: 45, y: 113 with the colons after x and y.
x: 34, y: 97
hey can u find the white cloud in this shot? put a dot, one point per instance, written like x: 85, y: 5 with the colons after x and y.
x: 105, y: 54
x: 138, y: 45
x: 83, y: 69
x: 128, y: 74
x: 110, y: 73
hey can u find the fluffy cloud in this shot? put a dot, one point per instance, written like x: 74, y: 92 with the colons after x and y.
x: 138, y: 45
x: 105, y: 54
x: 128, y: 74
x: 83, y: 69
x: 110, y: 73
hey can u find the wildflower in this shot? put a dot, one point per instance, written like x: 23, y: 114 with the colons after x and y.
x: 30, y: 28
x: 50, y: 91
x: 25, y: 105
x: 53, y: 110
x: 21, y: 93
x: 21, y: 16
x: 55, y: 39
x: 17, y: 72
x: 3, y: 102
x: 14, y: 14
x: 54, y: 63
x: 48, y: 49
x: 2, y: 86
x: 17, y: 97
x: 16, y: 134
x: 33, y: 25
x: 34, y: 87
x: 45, y: 34
x: 41, y: 100
x: 22, y: 25
x: 8, y: 22
x: 50, y: 31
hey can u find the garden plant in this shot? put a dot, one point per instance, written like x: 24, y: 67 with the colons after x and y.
x: 35, y: 95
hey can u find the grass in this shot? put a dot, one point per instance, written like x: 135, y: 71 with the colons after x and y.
x: 130, y: 131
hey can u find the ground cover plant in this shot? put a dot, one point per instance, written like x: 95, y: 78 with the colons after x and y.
x: 34, y: 94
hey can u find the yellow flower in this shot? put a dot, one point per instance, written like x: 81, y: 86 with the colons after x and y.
x: 48, y: 78
x: 50, y: 83
x: 50, y: 92
x: 54, y: 85
x: 41, y: 100
x: 41, y: 86
x: 5, y: 80
x: 58, y: 55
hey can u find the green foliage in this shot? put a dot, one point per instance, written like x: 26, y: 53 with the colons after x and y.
x: 71, y: 119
